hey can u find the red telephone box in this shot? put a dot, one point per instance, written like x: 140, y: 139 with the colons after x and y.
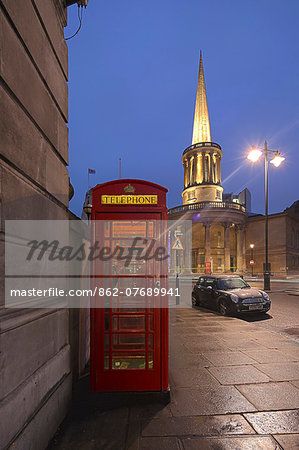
x: 129, y: 317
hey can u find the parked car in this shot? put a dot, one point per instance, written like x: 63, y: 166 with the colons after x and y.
x: 229, y: 294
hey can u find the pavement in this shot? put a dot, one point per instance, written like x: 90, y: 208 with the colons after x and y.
x: 234, y: 385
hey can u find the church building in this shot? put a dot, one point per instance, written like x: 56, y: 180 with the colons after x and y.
x: 226, y: 235
x: 218, y: 224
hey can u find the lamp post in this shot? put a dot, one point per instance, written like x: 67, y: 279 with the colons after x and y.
x: 251, y: 258
x: 254, y: 155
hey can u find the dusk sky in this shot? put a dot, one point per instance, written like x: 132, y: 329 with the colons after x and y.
x: 133, y: 71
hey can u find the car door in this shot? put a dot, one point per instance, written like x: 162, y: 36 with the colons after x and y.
x: 198, y: 290
x: 209, y: 292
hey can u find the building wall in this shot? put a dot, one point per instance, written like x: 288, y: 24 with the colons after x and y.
x: 35, y: 376
x: 292, y: 244
x: 255, y: 234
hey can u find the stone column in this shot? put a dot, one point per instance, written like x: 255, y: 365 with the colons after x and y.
x: 172, y: 252
x: 244, y: 251
x: 186, y: 173
x: 240, y: 249
x: 211, y: 168
x: 214, y: 168
x: 219, y: 169
x: 194, y: 169
x: 217, y: 164
x: 187, y: 241
x: 199, y: 174
x: 226, y: 227
x: 191, y: 171
x: 207, y: 242
x: 204, y: 164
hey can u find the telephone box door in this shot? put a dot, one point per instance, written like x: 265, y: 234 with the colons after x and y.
x: 128, y: 325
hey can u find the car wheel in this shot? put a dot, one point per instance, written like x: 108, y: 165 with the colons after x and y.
x: 222, y: 308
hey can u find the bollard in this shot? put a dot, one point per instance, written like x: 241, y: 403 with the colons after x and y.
x: 177, y: 289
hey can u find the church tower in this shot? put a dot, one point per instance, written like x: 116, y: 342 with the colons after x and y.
x: 202, y: 159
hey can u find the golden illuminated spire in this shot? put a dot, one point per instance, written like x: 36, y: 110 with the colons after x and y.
x: 201, y: 126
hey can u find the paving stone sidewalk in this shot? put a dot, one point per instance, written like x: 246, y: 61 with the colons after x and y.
x: 233, y: 386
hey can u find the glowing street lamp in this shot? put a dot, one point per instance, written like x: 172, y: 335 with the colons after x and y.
x: 253, y: 156
x: 277, y: 160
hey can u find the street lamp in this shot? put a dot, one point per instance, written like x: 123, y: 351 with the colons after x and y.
x: 87, y: 207
x: 251, y: 258
x: 253, y: 156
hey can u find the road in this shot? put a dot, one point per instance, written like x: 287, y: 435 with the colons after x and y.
x: 283, y: 317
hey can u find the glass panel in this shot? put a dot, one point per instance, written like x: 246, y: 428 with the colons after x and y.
x: 151, y: 342
x: 150, y: 319
x: 106, y: 343
x: 128, y: 228
x: 128, y: 342
x: 130, y: 307
x: 127, y: 323
x: 122, y: 361
x: 150, y: 360
x: 107, y: 322
x: 107, y: 228
x: 106, y: 362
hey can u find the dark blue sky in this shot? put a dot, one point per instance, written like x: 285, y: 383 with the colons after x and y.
x: 132, y: 84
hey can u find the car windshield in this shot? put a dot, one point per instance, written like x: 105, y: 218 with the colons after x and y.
x: 227, y: 284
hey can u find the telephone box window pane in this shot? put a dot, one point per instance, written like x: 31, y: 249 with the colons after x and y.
x: 128, y: 323
x: 150, y: 360
x: 107, y: 322
x: 107, y: 228
x: 128, y: 228
x: 150, y: 229
x: 129, y: 309
x: 106, y: 341
x: 151, y: 341
x: 127, y: 361
x: 106, y: 362
x: 128, y: 342
x: 151, y: 322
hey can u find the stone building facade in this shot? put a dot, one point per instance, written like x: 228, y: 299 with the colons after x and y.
x: 283, y: 242
x: 36, y: 357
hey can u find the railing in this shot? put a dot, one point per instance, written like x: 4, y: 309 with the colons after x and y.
x: 202, y: 144
x: 207, y: 205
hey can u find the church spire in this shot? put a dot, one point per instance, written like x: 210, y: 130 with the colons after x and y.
x: 201, y: 126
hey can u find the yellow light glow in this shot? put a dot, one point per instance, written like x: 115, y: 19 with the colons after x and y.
x: 277, y: 160
x: 251, y: 245
x: 254, y: 155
